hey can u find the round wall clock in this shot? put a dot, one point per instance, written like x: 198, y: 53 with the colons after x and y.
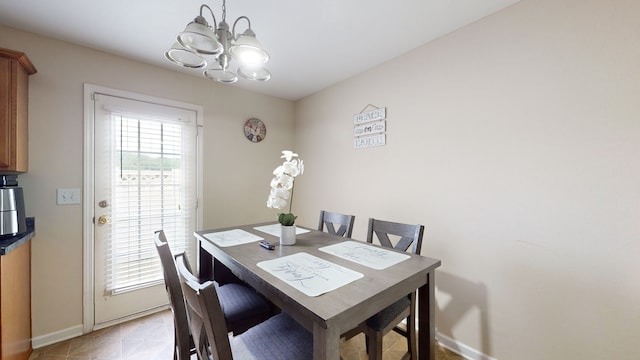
x: 255, y: 130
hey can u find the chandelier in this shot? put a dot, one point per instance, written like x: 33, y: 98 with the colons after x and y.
x: 199, y: 42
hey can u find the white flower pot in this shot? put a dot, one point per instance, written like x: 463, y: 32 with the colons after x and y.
x: 288, y: 235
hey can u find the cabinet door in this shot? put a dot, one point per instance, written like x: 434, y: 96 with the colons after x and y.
x: 15, y: 303
x: 6, y: 139
x: 15, y: 69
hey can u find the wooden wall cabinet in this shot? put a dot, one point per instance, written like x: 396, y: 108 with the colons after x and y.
x: 15, y: 303
x: 15, y: 68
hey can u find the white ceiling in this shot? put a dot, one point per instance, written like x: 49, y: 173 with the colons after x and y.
x: 312, y: 44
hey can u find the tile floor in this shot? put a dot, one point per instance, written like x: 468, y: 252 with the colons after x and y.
x: 151, y: 338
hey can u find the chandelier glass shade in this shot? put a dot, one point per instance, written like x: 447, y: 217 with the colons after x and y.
x: 215, y: 48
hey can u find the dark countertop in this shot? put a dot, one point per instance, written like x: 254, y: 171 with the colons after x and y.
x: 8, y: 245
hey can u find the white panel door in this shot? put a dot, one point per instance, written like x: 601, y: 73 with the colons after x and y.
x: 144, y: 180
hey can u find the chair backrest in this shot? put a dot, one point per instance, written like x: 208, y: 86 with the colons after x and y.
x: 330, y: 219
x: 205, y: 314
x: 410, y: 235
x: 176, y: 299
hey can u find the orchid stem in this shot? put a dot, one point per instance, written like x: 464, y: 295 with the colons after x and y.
x: 291, y: 200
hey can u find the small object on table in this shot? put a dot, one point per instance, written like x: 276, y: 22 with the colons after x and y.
x: 267, y: 245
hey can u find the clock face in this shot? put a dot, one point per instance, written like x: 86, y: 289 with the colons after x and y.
x: 255, y: 130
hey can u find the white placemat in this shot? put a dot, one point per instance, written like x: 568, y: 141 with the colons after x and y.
x: 310, y: 274
x: 232, y: 237
x: 274, y: 229
x: 364, y: 254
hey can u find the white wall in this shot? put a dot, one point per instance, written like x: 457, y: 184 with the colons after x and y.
x: 516, y: 142
x: 232, y: 164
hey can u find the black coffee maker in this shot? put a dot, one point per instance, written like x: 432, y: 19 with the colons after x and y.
x: 12, y: 218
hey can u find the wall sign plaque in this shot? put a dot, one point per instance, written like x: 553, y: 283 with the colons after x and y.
x: 370, y: 127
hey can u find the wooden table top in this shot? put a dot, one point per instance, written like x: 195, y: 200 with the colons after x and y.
x: 343, y: 308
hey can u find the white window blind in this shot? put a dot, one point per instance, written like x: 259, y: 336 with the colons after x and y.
x: 152, y: 187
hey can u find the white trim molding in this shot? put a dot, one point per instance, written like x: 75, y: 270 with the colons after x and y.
x: 461, y: 349
x: 56, y: 337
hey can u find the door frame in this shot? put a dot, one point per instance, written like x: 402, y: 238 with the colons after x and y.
x: 88, y: 319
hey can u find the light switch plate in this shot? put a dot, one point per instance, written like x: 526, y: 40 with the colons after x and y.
x: 67, y: 196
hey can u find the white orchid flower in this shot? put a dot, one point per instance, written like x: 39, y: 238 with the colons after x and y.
x: 279, y: 170
x: 291, y: 168
x: 286, y: 154
x: 288, y: 184
x: 282, y: 182
x: 276, y: 203
x: 282, y: 193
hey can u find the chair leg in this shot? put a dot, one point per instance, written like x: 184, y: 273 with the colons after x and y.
x: 411, y: 337
x: 175, y: 345
x: 366, y: 343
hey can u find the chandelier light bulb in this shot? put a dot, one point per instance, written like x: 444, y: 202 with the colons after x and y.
x: 248, y: 50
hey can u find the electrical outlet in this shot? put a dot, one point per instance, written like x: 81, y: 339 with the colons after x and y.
x: 67, y: 196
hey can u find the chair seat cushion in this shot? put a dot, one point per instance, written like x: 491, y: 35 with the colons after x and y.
x: 240, y: 303
x: 380, y: 320
x: 279, y: 337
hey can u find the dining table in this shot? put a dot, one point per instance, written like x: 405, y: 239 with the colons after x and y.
x: 328, y: 284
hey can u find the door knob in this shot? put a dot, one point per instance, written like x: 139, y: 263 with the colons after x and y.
x: 104, y: 219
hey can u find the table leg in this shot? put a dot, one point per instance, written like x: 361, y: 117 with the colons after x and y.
x: 326, y: 343
x: 426, y: 319
x: 205, y: 263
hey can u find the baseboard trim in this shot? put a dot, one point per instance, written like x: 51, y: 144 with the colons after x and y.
x: 55, y: 337
x: 461, y: 349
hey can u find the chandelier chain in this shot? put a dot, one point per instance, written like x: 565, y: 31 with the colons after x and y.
x: 224, y: 10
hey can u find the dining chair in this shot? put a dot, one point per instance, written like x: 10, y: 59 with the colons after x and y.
x: 183, y: 346
x: 279, y: 337
x: 243, y: 307
x: 410, y: 239
x: 331, y: 219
